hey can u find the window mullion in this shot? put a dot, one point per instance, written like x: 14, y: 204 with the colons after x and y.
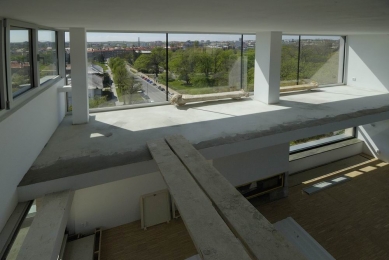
x: 3, y: 83
x: 34, y: 58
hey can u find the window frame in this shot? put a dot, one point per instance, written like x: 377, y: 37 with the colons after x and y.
x: 10, y: 102
x: 342, y: 57
x: 325, y: 143
x: 57, y: 52
x: 3, y: 81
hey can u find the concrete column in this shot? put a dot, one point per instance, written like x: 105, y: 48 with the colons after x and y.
x: 267, y: 67
x: 78, y: 55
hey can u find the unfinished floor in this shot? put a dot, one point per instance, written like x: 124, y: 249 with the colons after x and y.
x: 349, y: 220
x: 117, y: 138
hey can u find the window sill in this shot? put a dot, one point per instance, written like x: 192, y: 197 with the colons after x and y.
x: 26, y: 97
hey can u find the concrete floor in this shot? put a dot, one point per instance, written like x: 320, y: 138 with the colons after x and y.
x: 119, y: 137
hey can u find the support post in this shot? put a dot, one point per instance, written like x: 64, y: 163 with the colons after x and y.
x: 80, y: 101
x: 267, y: 67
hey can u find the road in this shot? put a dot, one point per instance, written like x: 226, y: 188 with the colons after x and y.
x: 151, y: 91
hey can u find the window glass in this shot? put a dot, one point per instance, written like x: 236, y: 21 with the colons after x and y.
x: 21, y: 70
x: 313, y: 141
x: 68, y: 69
x: 289, y: 60
x: 47, y: 55
x: 22, y: 232
x: 319, y: 60
x: 124, y: 69
x: 248, y: 62
x: 204, y: 63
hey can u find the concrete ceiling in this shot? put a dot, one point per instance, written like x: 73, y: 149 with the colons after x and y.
x: 244, y: 16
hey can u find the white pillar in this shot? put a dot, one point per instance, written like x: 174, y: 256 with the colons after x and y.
x: 267, y: 67
x: 78, y: 56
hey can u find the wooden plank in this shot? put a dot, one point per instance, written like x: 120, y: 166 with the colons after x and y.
x: 255, y: 231
x: 210, y: 234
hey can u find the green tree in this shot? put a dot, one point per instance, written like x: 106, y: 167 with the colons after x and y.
x: 142, y: 63
x: 183, y: 63
x: 157, y: 59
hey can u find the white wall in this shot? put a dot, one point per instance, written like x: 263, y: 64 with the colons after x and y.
x: 23, y: 135
x: 111, y: 204
x: 116, y: 203
x: 376, y: 137
x: 368, y: 62
x: 258, y: 164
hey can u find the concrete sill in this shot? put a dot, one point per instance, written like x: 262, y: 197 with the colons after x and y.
x: 323, y: 149
x: 67, y: 88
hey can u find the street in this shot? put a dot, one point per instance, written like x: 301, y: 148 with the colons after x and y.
x: 151, y: 91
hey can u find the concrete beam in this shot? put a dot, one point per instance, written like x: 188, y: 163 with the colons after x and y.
x: 44, y: 239
x: 255, y: 232
x: 209, y: 232
x: 267, y: 67
x: 80, y: 101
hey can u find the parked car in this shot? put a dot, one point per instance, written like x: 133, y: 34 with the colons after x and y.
x: 154, y: 84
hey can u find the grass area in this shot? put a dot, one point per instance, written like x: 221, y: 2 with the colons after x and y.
x: 317, y: 137
x: 182, y: 88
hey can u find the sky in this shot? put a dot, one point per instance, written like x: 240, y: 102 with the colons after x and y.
x: 44, y: 35
x: 148, y: 37
x: 133, y: 37
x: 22, y: 35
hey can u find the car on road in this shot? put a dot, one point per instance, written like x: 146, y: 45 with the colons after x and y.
x: 154, y: 84
x: 159, y: 87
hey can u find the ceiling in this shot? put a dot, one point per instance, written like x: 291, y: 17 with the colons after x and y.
x: 244, y: 16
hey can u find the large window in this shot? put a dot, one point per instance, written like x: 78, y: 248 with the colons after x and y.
x: 47, y: 55
x: 319, y: 140
x: 20, y: 60
x: 248, y: 62
x: 123, y: 69
x: 205, y: 63
x: 13, y: 248
x: 28, y: 60
x: 319, y: 60
x: 289, y: 60
x: 312, y: 60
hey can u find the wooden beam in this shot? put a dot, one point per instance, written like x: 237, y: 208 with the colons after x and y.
x: 258, y: 235
x: 210, y: 234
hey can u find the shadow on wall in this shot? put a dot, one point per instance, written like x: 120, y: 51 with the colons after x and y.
x: 376, y: 137
x: 368, y: 62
